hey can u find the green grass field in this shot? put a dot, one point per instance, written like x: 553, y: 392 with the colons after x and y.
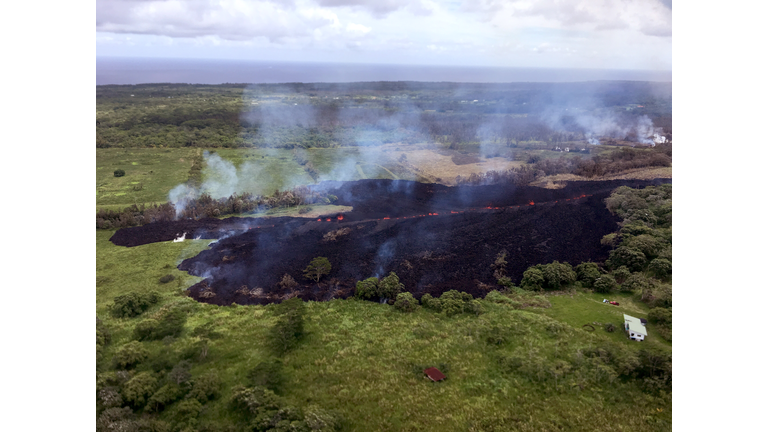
x: 157, y: 171
x: 364, y: 360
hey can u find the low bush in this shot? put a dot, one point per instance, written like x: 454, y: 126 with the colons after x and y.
x: 660, y: 316
x: 406, y: 303
x: 205, y: 387
x: 605, y: 284
x: 133, y: 304
x: 367, y: 289
x: 587, y: 273
x: 119, y: 173
x: 139, y: 389
x: 289, y: 328
x: 170, y: 323
x: 431, y: 303
x: 453, y: 302
x: 130, y: 354
x: 390, y: 286
x: 167, y: 278
x: 268, y: 374
x: 660, y: 268
x: 163, y: 397
x: 621, y: 274
x: 633, y: 259
x: 533, y: 279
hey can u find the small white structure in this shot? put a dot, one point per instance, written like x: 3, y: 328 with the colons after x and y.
x: 634, y: 328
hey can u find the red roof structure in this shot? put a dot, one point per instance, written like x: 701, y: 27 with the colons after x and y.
x: 434, y: 374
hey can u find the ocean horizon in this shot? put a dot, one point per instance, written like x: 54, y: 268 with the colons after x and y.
x: 134, y: 70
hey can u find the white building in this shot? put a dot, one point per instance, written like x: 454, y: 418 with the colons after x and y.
x: 634, y: 328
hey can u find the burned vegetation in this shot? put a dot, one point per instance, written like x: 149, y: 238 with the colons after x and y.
x: 436, y: 239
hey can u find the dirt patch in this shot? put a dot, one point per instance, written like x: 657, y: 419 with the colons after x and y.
x: 463, y: 159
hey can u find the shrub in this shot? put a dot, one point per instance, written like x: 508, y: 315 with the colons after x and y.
x: 557, y: 274
x: 660, y: 267
x: 453, y: 303
x: 367, y: 289
x: 405, y: 302
x: 289, y: 328
x: 636, y: 282
x: 251, y: 401
x: 180, y: 373
x: 130, y: 354
x: 167, y: 278
x: 645, y: 243
x: 432, y: 303
x: 390, y: 286
x: 497, y: 297
x: 163, y: 397
x: 119, y: 173
x: 321, y: 420
x: 288, y: 282
x: 109, y: 397
x: 114, y: 419
x: 267, y: 374
x: 609, y: 327
x: 626, y: 256
x: 317, y: 268
x: 187, y: 410
x: 305, y: 210
x: 476, y: 307
x: 587, y: 273
x: 146, y: 329
x: 139, y: 389
x: 662, y: 296
x: 605, y: 284
x: 205, y: 387
x: 660, y: 316
x: 171, y: 323
x: 133, y: 304
x: 621, y: 274
x: 533, y: 279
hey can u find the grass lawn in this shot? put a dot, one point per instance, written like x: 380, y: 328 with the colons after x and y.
x: 155, y: 170
x: 586, y: 308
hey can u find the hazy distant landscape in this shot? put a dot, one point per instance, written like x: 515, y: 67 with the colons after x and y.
x: 132, y: 70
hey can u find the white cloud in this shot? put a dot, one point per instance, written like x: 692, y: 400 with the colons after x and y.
x: 358, y: 29
x: 650, y: 17
x: 535, y: 33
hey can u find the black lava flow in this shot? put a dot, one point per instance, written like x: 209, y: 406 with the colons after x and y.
x: 435, y: 238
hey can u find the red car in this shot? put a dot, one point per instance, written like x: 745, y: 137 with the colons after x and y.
x: 614, y: 303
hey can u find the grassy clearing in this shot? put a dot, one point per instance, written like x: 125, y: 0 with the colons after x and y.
x: 579, y: 308
x: 154, y: 171
x: 262, y: 171
x: 364, y: 360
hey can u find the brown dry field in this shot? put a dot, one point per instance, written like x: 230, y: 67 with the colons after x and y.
x: 437, y: 164
x: 559, y: 180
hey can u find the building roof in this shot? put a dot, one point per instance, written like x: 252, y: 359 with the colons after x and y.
x: 434, y: 374
x: 635, y: 325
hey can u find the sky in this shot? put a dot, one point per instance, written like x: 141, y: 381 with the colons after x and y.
x: 602, y: 34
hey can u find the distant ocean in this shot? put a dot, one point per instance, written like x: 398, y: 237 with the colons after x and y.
x: 127, y: 70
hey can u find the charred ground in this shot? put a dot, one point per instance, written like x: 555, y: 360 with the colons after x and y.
x: 436, y: 238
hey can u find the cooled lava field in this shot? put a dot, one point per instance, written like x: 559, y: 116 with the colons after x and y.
x: 435, y: 238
